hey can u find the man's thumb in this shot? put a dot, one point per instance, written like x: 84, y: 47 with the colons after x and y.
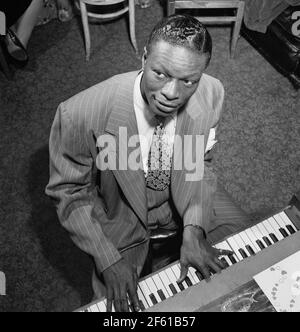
x: 183, y: 273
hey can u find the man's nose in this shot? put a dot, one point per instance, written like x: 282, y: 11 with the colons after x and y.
x: 171, y: 90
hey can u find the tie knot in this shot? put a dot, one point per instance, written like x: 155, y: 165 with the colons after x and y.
x: 160, y: 121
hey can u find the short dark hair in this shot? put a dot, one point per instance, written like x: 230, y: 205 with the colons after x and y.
x: 182, y: 30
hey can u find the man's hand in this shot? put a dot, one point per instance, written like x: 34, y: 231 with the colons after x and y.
x: 197, y: 252
x: 121, y: 279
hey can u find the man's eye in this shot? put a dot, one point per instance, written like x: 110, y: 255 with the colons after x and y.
x: 159, y: 74
x: 188, y: 83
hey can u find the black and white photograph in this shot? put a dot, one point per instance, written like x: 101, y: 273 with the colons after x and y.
x: 150, y: 158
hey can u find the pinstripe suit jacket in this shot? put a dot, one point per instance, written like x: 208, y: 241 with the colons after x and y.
x: 106, y: 211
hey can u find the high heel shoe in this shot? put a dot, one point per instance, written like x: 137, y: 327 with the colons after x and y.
x: 15, y: 49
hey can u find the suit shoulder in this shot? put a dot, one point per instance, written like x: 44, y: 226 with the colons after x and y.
x: 210, y: 82
x: 96, y: 98
x: 211, y: 89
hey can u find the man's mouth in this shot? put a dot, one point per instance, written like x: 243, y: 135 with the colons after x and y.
x: 165, y: 105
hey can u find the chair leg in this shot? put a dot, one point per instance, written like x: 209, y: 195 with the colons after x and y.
x: 4, y: 65
x: 86, y: 30
x: 237, y: 27
x: 171, y: 7
x: 131, y: 13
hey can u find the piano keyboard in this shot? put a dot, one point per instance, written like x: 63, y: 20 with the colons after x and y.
x: 162, y: 284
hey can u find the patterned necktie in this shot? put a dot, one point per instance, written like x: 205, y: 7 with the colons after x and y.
x: 159, y: 160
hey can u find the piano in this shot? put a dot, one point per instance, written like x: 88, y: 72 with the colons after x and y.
x: 255, y: 249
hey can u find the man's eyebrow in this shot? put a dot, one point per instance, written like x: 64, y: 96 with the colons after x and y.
x: 191, y: 77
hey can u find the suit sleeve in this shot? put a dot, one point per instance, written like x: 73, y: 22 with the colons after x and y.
x: 70, y: 186
x: 200, y: 206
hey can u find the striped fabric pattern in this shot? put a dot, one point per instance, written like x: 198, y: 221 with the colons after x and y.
x: 106, y: 212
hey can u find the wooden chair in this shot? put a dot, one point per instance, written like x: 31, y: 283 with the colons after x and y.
x: 211, y: 4
x: 129, y: 6
x: 3, y: 62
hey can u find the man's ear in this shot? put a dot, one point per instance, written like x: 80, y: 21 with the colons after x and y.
x: 144, y: 57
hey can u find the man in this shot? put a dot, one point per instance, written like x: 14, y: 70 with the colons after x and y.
x: 108, y: 195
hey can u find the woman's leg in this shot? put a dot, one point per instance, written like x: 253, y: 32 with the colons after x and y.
x: 27, y: 21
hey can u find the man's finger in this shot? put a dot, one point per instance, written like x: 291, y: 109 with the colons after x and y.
x: 124, y: 300
x: 132, y: 292
x: 215, y: 267
x: 109, y: 299
x: 221, y: 263
x: 124, y: 304
x: 117, y: 299
x: 204, y: 271
x: 225, y: 252
x: 183, y: 272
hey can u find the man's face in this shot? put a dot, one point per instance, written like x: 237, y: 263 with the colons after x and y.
x: 171, y: 76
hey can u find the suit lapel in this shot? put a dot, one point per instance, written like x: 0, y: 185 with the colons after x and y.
x: 123, y: 125
x: 190, y: 121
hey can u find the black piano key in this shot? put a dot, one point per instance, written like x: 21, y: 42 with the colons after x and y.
x: 283, y: 232
x: 273, y: 237
x: 153, y: 298
x: 173, y: 289
x: 290, y: 229
x: 242, y: 252
x: 199, y: 275
x: 250, y: 250
x: 188, y: 281
x: 223, y: 260
x: 267, y: 241
x: 232, y: 259
x: 161, y: 294
x: 142, y: 307
x: 180, y: 285
x: 260, y: 244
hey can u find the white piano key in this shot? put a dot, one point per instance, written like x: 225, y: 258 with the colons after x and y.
x: 146, y: 291
x: 276, y: 227
x: 265, y: 233
x: 253, y: 238
x: 286, y: 220
x: 191, y: 276
x: 160, y: 285
x: 176, y: 270
x: 94, y: 308
x: 257, y: 232
x: 152, y: 287
x: 165, y: 282
x: 102, y: 306
x: 281, y: 223
x: 235, y: 247
x: 172, y: 279
x: 142, y: 297
x: 193, y: 273
x: 248, y: 241
x: 165, y: 276
x: 268, y: 225
x: 241, y: 244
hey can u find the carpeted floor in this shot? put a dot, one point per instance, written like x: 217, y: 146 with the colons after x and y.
x: 257, y: 159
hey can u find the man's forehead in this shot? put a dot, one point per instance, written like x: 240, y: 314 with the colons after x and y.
x: 171, y: 56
